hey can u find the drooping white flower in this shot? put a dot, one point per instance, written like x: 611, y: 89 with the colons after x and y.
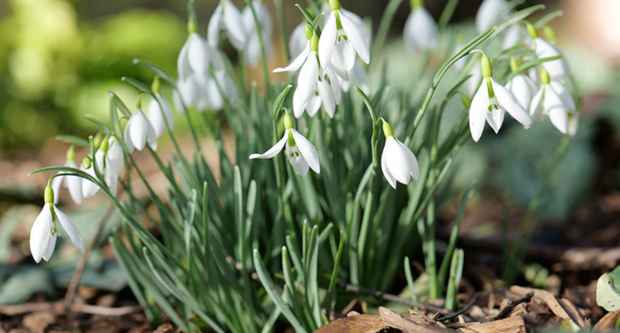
x: 554, y: 101
x: 316, y: 85
x: 344, y: 36
x: 420, y: 29
x: 398, y: 163
x: 252, y: 49
x: 300, y: 152
x: 227, y: 19
x: 139, y: 132
x: 193, y: 58
x: 200, y: 68
x: 44, y: 231
x: 521, y: 86
x: 72, y: 183
x: 490, y: 13
x: 111, y: 154
x: 491, y: 102
x: 558, y: 68
x: 89, y: 188
x: 513, y: 36
x: 160, y: 115
x: 523, y: 89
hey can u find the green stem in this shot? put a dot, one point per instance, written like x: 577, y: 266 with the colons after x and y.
x: 384, y: 26
x: 283, y: 30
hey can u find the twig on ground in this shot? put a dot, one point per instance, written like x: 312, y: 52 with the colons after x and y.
x: 59, y: 308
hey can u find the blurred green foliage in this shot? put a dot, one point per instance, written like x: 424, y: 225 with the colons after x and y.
x: 54, y: 67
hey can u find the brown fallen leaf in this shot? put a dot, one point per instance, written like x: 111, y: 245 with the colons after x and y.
x: 37, y: 322
x: 608, y: 322
x: 394, y: 320
x: 563, y: 309
x: 509, y: 325
x: 362, y: 323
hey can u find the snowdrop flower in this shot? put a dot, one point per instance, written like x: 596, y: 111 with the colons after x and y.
x: 139, y: 132
x: 159, y: 115
x: 398, y: 163
x: 491, y: 102
x: 521, y: 86
x: 490, y: 13
x: 110, y: 161
x: 193, y: 58
x: 553, y: 100
x: 300, y: 152
x: 72, y: 183
x: 253, y: 49
x: 316, y: 85
x: 45, y: 229
x: 343, y: 36
x: 558, y: 68
x: 514, y: 35
x: 89, y: 188
x: 227, y: 19
x: 420, y: 29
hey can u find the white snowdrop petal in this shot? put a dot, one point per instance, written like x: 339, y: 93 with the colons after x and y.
x: 523, y: 90
x: 307, y: 80
x: 234, y: 25
x: 327, y: 42
x: 137, y: 127
x: 307, y: 150
x: 215, y: 26
x: 495, y: 119
x: 314, y: 105
x: 559, y: 119
x: 40, y: 233
x: 537, y: 102
x: 356, y: 36
x: 183, y: 68
x: 297, y: 161
x: 421, y: 30
x: 74, y: 185
x: 477, y: 112
x: 273, y: 151
x: 397, y: 161
x: 296, y: 64
x: 198, y: 57
x: 329, y: 102
x: 491, y: 12
x: 56, y: 182
x: 507, y: 101
x: 49, y: 250
x: 386, y: 171
x: 70, y: 229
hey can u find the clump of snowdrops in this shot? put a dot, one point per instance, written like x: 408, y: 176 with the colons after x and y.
x: 332, y: 178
